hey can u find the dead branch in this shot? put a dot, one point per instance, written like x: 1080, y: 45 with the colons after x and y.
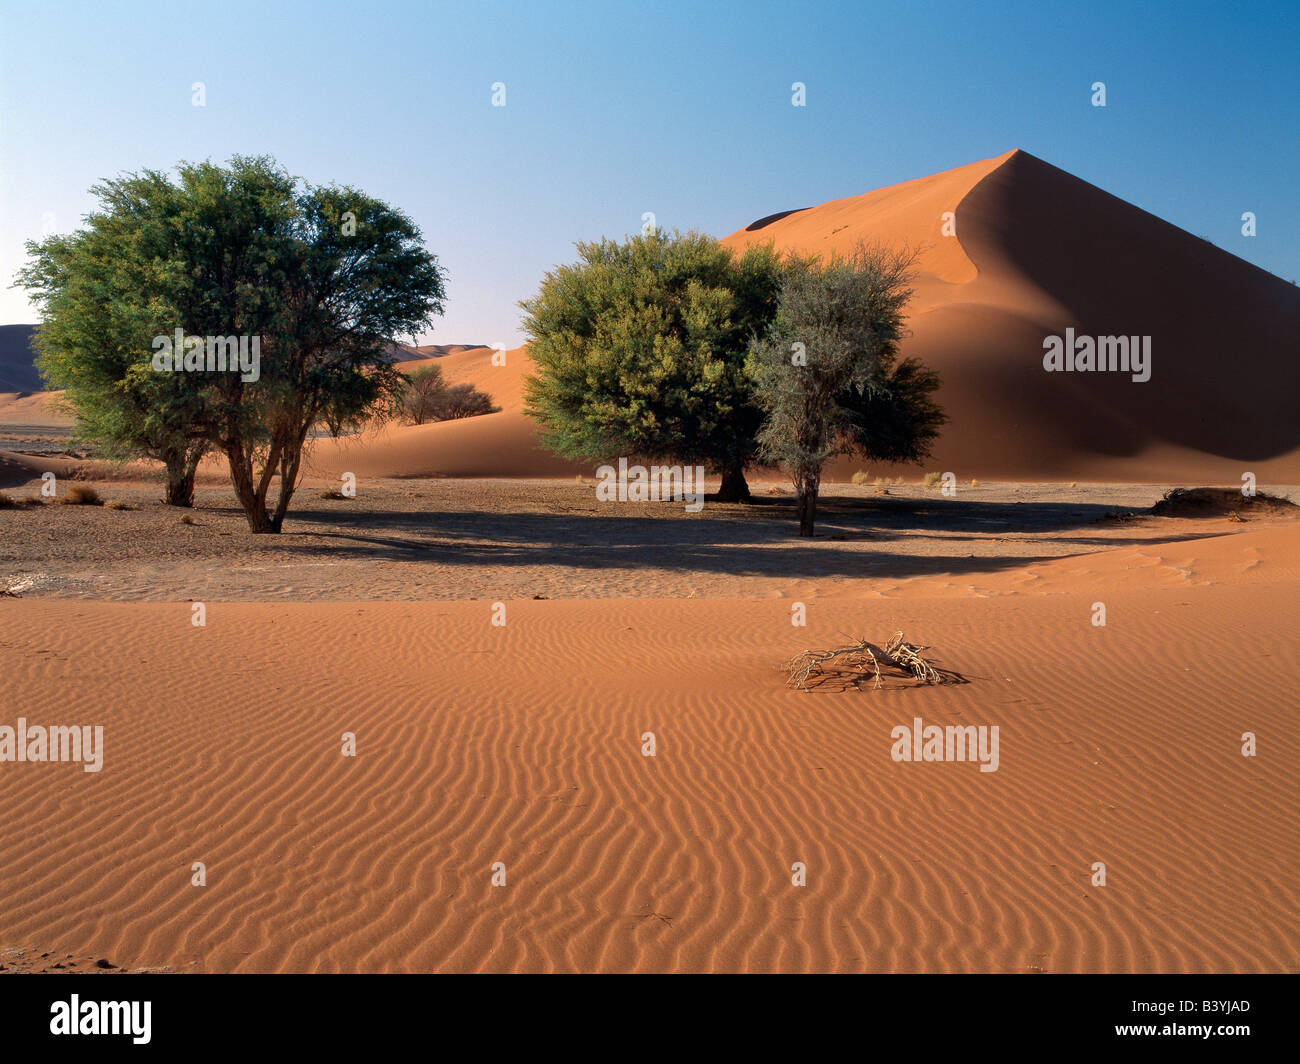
x: 865, y: 657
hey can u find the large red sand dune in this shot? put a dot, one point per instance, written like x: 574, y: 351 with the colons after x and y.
x: 1037, y: 251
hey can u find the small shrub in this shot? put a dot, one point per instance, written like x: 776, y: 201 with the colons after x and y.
x: 188, y: 519
x: 82, y: 495
x: 861, y: 476
x: 118, y: 504
x: 931, y: 479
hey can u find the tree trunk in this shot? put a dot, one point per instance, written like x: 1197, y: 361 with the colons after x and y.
x: 807, y: 503
x: 734, y: 487
x: 290, y: 462
x: 251, y: 497
x: 180, y: 478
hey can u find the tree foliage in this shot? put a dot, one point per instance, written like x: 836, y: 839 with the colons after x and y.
x: 640, y: 349
x: 325, y: 277
x: 835, y: 333
x: 428, y: 397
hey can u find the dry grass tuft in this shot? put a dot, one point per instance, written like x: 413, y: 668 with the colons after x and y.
x: 8, y: 502
x: 81, y: 495
x: 931, y: 479
x: 187, y: 519
x: 861, y: 477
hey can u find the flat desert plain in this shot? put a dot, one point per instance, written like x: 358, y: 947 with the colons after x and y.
x: 501, y: 812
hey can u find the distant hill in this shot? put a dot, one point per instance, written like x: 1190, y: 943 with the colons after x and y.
x: 407, y: 353
x: 17, y: 359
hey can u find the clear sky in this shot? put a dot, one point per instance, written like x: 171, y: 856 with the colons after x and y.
x: 679, y: 108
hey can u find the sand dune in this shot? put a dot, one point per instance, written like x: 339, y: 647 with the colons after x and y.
x: 523, y: 745
x: 19, y: 469
x: 1037, y: 251
x: 502, y: 444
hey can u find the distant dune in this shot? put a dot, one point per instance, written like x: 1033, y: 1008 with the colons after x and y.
x: 501, y: 445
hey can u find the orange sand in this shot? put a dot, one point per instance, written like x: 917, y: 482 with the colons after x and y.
x: 522, y: 745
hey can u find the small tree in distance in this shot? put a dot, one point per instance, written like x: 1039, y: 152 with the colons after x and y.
x: 837, y: 324
x: 430, y: 398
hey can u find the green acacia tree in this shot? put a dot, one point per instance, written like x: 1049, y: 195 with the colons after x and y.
x: 100, y: 293
x: 322, y: 279
x: 640, y: 351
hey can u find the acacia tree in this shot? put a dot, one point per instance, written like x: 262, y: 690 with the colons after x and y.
x: 100, y: 292
x: 640, y: 351
x: 837, y: 323
x: 320, y: 278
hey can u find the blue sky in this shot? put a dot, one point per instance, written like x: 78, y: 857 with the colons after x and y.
x: 682, y: 109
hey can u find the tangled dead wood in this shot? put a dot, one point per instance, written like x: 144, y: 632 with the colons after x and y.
x: 810, y: 669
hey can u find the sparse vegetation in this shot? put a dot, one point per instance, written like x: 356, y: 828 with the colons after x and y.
x: 1218, y: 502
x: 931, y: 479
x: 8, y: 502
x: 81, y: 495
x: 861, y: 477
x: 429, y: 398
